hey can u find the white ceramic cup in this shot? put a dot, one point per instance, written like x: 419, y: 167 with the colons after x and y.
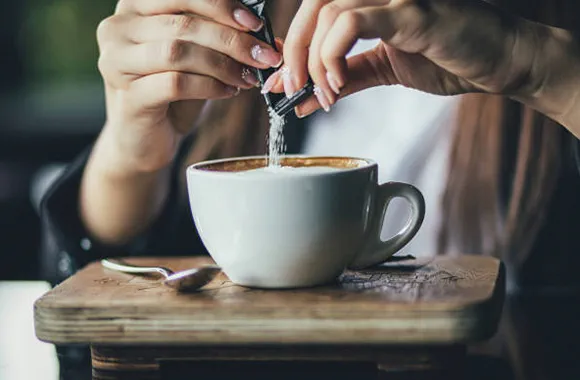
x: 288, y: 231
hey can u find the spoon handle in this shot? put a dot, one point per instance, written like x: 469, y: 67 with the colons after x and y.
x: 129, y: 268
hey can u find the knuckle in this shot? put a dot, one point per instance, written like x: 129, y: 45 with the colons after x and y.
x: 415, y: 30
x: 318, y: 4
x: 292, y: 42
x: 220, y: 4
x: 174, y: 85
x: 106, y: 28
x: 229, y: 38
x: 181, y: 24
x: 213, y: 3
x: 173, y: 51
x: 102, y: 67
x: 326, y: 54
x: 351, y: 20
x: 106, y: 61
x: 419, y: 10
x: 416, y: 10
x: 222, y: 63
x: 109, y: 71
x: 121, y: 4
x: 329, y: 13
x: 314, y: 66
x: 103, y: 63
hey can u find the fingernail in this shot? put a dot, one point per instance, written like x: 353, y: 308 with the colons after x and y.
x: 289, y: 87
x: 248, y: 20
x: 267, y: 56
x: 322, y: 99
x: 270, y: 82
x: 249, y: 77
x: 298, y: 113
x: 334, y: 85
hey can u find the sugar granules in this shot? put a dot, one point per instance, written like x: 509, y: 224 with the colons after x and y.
x: 276, y: 146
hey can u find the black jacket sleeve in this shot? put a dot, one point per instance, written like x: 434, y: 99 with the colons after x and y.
x: 67, y: 246
x: 576, y: 153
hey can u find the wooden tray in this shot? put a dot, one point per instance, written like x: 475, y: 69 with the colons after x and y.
x: 441, y: 300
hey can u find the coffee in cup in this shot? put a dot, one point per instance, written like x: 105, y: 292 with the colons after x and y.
x: 298, y: 225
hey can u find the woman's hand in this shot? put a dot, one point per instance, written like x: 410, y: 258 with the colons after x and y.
x: 442, y: 47
x: 160, y: 61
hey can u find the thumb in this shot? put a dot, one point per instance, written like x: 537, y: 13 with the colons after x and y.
x: 368, y: 69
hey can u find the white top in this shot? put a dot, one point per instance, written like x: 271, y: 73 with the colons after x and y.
x: 406, y: 132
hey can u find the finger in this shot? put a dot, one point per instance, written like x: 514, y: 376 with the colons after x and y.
x: 298, y: 41
x: 326, y: 65
x: 158, y: 90
x: 335, y: 79
x: 329, y: 83
x: 227, y: 12
x: 240, y: 46
x: 368, y: 69
x: 128, y: 62
x: 361, y: 74
x: 324, y: 92
x: 114, y: 29
x: 274, y: 83
x: 277, y: 83
x: 307, y: 107
x: 384, y: 22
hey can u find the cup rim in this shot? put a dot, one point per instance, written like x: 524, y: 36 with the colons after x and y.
x: 196, y: 168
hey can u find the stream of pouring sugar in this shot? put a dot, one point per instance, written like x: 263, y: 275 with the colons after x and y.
x: 276, y: 145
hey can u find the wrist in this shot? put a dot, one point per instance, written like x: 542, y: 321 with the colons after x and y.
x: 118, y: 200
x: 553, y: 87
x: 125, y: 153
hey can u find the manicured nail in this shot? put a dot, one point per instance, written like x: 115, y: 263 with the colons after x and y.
x: 233, y: 91
x: 270, y: 82
x: 267, y: 56
x: 322, y: 99
x: 249, y: 77
x: 289, y: 87
x: 248, y: 20
x: 334, y: 85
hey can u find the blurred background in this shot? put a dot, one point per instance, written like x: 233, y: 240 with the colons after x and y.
x: 51, y: 108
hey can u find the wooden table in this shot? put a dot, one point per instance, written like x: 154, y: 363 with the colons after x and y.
x: 407, y: 314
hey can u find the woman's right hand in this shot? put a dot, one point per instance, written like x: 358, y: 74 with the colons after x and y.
x: 160, y: 61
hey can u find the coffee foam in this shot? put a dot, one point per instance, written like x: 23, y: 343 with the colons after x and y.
x: 289, y: 170
x: 246, y: 164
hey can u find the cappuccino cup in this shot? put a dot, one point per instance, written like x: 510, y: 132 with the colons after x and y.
x: 298, y: 225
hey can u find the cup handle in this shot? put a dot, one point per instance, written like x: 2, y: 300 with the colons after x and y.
x: 378, y: 251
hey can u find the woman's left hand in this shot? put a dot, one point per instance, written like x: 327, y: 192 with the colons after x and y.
x: 444, y: 47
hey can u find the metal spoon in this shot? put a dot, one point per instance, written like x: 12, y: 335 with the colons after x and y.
x: 187, y: 280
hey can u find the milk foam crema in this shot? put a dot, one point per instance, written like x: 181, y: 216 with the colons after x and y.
x: 269, y: 171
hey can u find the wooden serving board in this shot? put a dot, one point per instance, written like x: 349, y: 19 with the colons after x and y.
x: 441, y: 300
